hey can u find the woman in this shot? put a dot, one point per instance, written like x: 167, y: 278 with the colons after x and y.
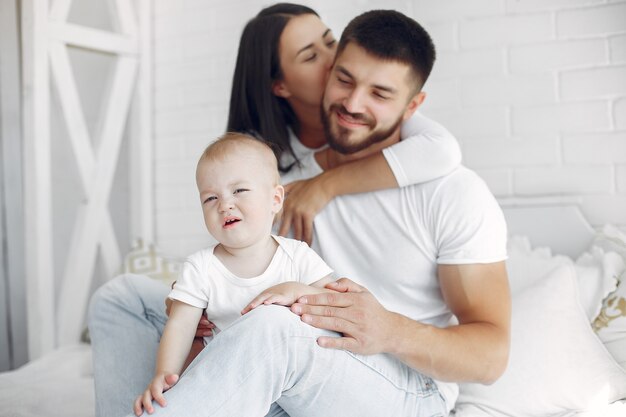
x: 285, y: 55
x: 277, y: 92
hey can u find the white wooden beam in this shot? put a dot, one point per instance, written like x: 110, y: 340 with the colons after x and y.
x: 72, y: 111
x: 124, y: 17
x: 95, y: 39
x: 141, y: 144
x: 37, y: 186
x: 110, y: 250
x: 11, y: 125
x: 88, y: 231
x: 60, y: 9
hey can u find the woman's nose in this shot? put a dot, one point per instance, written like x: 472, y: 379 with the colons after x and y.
x: 329, y: 57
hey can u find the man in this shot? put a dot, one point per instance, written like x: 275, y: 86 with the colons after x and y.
x: 384, y: 343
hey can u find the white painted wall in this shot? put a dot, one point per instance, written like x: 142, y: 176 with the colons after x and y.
x: 535, y: 91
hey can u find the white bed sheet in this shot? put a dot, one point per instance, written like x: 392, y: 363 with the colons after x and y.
x: 60, y: 384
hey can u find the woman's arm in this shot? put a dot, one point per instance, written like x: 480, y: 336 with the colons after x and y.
x: 427, y: 151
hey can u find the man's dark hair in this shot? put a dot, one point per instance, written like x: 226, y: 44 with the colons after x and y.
x: 392, y: 36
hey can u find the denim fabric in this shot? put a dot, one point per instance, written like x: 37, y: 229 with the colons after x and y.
x: 267, y: 362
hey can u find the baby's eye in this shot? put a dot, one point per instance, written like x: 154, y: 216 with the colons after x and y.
x: 240, y: 190
x: 209, y: 199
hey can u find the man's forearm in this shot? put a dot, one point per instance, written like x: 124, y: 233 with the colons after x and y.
x: 473, y: 352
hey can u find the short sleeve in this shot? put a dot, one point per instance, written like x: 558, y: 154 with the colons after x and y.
x: 190, y: 288
x: 470, y: 226
x: 310, y: 265
x: 426, y: 151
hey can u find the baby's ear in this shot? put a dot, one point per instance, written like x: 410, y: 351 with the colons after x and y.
x: 279, y: 198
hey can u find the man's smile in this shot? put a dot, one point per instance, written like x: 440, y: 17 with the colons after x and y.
x: 351, y: 120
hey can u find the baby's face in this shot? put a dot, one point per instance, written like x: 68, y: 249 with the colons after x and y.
x: 239, y: 196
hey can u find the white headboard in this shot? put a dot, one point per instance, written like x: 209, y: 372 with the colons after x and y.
x: 560, y: 227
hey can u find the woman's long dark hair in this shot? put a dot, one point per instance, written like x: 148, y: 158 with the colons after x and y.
x: 254, y: 108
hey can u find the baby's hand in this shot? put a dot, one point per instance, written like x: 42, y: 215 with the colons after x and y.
x: 284, y: 294
x: 155, y: 390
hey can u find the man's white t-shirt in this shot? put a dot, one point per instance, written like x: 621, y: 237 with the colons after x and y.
x: 206, y: 283
x: 392, y: 241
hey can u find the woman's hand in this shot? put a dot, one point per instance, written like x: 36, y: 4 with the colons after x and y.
x: 304, y: 199
x: 159, y: 384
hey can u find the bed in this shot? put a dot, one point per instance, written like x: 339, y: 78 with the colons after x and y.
x: 568, y: 354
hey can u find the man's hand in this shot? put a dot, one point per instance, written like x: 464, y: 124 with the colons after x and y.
x: 304, y: 199
x: 205, y: 327
x: 365, y: 324
x: 155, y: 390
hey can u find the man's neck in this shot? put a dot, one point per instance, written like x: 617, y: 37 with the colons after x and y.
x: 329, y: 158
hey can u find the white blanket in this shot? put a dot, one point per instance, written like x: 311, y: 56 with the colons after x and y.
x: 58, y: 384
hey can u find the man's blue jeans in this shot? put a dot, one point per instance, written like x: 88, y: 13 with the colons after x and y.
x: 267, y: 362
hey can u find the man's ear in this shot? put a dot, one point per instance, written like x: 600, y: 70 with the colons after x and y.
x: 278, y: 199
x: 280, y: 90
x: 414, y: 103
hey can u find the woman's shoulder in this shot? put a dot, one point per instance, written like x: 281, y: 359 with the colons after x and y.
x: 419, y: 124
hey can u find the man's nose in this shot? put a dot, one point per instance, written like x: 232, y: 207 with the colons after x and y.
x: 354, y: 102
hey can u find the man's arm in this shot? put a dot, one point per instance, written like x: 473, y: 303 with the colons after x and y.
x: 475, y: 350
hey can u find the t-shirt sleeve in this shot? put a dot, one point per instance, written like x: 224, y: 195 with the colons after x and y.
x: 470, y: 227
x: 190, y: 288
x: 427, y: 151
x: 311, y: 266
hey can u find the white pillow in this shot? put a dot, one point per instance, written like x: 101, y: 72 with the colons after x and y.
x: 597, y: 273
x: 596, y: 270
x: 610, y: 325
x: 526, y: 265
x: 147, y: 259
x: 556, y: 364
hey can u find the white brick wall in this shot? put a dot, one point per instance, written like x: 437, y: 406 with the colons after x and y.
x: 621, y: 178
x: 595, y: 20
x: 535, y: 91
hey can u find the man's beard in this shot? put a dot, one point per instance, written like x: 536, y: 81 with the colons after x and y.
x: 341, y: 146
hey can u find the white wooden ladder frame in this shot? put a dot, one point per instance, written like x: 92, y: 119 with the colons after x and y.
x: 46, y: 35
